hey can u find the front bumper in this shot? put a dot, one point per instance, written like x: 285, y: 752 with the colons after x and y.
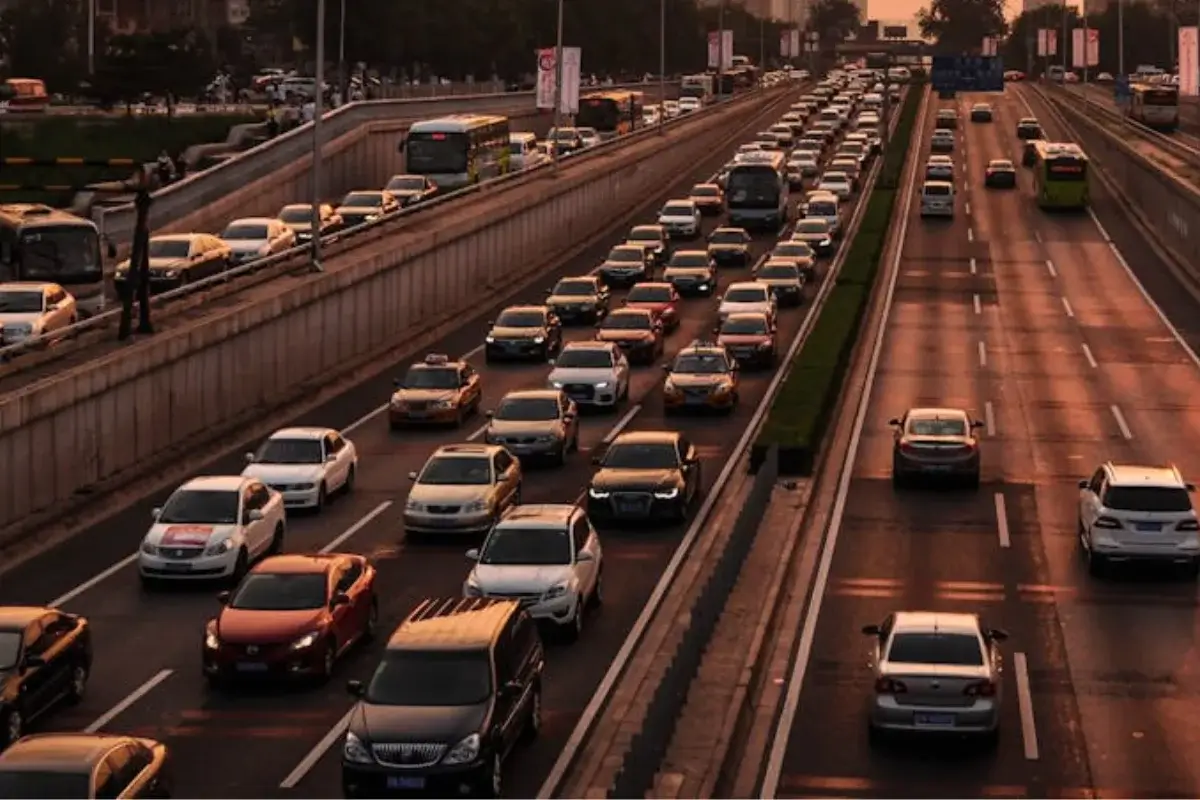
x: 515, y: 349
x: 402, y: 417
x: 257, y: 662
x: 725, y: 258
x: 461, y: 523
x: 159, y: 567
x: 634, y: 507
x: 948, y: 468
x: 589, y: 395
x: 530, y: 446
x: 378, y: 780
x: 295, y: 497
x: 576, y: 313
x: 698, y: 399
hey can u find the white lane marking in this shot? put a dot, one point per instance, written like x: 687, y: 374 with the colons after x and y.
x: 1121, y: 423
x: 1038, y: 235
x: 474, y: 351
x: 974, y: 266
x: 1025, y: 705
x: 966, y: 186
x: 63, y: 599
x: 967, y: 207
x: 1087, y: 353
x: 364, y: 419
x: 356, y: 527
x: 131, y: 698
x: 989, y: 418
x: 310, y: 760
x: 970, y: 234
x: 1002, y: 521
x: 622, y: 423
x: 982, y: 354
x: 477, y: 433
x: 1050, y: 268
x: 978, y: 304
x: 795, y: 680
x: 1066, y: 304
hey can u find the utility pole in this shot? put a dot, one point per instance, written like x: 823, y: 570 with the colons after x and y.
x: 558, y: 83
x: 91, y: 35
x: 343, y: 79
x: 318, y: 130
x: 662, y: 63
x: 1121, y: 39
x: 721, y: 51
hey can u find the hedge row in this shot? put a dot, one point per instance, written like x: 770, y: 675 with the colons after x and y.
x: 801, y: 411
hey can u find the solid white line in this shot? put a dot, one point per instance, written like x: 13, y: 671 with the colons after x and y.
x: 974, y: 266
x: 1002, y: 521
x: 967, y: 207
x: 1050, y: 268
x: 978, y: 305
x: 1121, y: 423
x: 1025, y: 705
x: 310, y: 760
x: 1087, y: 353
x: 970, y: 234
x: 131, y: 698
x: 364, y: 419
x: 982, y: 354
x: 621, y: 424
x: 1038, y: 235
x: 356, y: 527
x: 477, y: 433
x: 1066, y: 304
x: 62, y: 600
x: 989, y: 418
x: 795, y: 680
x: 474, y: 351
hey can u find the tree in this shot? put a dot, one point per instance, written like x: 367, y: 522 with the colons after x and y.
x: 176, y: 62
x: 834, y: 20
x: 42, y: 41
x: 960, y: 26
x: 1020, y: 49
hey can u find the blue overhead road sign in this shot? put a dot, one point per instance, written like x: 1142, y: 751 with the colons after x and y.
x: 967, y: 74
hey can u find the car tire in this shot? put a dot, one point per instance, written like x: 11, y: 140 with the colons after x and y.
x: 351, y: 477
x: 533, y: 723
x: 322, y: 498
x: 574, y: 629
x: 493, y: 782
x: 875, y: 737
x: 240, y: 568
x: 372, y: 627
x: 899, y: 480
x: 991, y: 739
x: 575, y: 442
x: 973, y: 481
x: 328, y: 660
x: 77, y: 687
x: 1192, y: 570
x: 13, y: 727
x: 560, y: 458
x: 596, y: 598
x: 148, y: 584
x: 276, y: 541
x: 1097, y: 564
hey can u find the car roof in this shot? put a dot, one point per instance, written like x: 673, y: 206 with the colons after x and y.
x: 540, y: 515
x: 215, y: 483
x: 943, y: 133
x: 302, y: 433
x: 531, y: 394
x: 580, y: 279
x: 253, y: 221
x: 947, y: 184
x: 17, y: 617
x: 1008, y: 162
x: 53, y: 752
x: 179, y: 237
x: 1163, y: 477
x: 296, y: 564
x: 748, y: 285
x: 470, y: 623
x: 646, y: 437
x: 705, y: 185
x: 935, y: 622
x: 630, y: 312
x: 465, y: 450
x: 628, y: 246
x: 653, y: 284
x: 529, y: 307
x: 758, y: 316
x: 25, y: 286
x: 780, y: 262
x: 937, y: 413
x: 589, y: 344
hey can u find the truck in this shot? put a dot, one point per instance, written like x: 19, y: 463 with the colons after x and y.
x: 700, y: 86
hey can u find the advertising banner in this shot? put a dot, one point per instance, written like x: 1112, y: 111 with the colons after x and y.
x: 1093, y: 47
x: 1077, y: 49
x: 785, y: 44
x: 1189, y: 61
x: 572, y: 61
x: 720, y: 49
x: 794, y: 42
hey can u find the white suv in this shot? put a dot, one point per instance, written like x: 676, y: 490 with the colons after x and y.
x: 1138, y: 513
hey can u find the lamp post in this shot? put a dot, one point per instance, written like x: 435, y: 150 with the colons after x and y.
x: 662, y: 63
x: 91, y: 36
x: 558, y: 78
x: 1121, y: 39
x: 318, y: 112
x: 721, y: 51
x: 343, y: 84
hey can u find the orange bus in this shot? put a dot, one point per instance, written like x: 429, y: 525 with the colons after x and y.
x: 26, y: 94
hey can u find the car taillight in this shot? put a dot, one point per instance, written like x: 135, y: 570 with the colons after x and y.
x: 1106, y: 522
x: 980, y: 689
x: 1188, y: 525
x: 890, y: 686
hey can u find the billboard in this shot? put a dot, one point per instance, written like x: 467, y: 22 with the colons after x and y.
x: 1189, y: 61
x: 572, y: 59
x: 895, y: 31
x: 720, y: 50
x: 1085, y: 55
x: 1047, y: 42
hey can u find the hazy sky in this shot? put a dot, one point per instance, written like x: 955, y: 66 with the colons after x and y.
x: 902, y: 12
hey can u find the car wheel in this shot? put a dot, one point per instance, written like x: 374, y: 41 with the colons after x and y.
x: 78, y: 684
x: 991, y: 739
x: 240, y: 568
x: 533, y: 725
x: 1097, y: 564
x: 574, y: 629
x: 276, y: 541
x: 575, y: 442
x: 328, y: 659
x: 322, y: 497
x: 14, y: 726
x: 372, y: 627
x: 597, y: 597
x: 351, y: 476
x: 973, y: 481
x: 899, y: 481
x: 875, y: 736
x: 560, y: 457
x: 148, y: 584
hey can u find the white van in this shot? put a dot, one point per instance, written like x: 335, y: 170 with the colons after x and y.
x: 826, y: 206
x: 937, y: 199
x: 523, y: 151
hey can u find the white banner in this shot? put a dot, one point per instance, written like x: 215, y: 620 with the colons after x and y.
x: 989, y: 46
x: 720, y: 49
x: 1093, y: 47
x: 545, y: 81
x: 1077, y: 48
x: 572, y: 60
x: 794, y: 36
x: 1041, y: 42
x: 1051, y: 41
x: 785, y: 45
x: 1189, y: 61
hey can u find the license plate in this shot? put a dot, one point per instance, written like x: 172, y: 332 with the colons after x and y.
x: 418, y: 414
x: 1149, y: 527
x: 251, y: 666
x: 175, y: 566
x: 632, y: 507
x: 405, y: 782
x: 934, y: 720
x: 936, y: 467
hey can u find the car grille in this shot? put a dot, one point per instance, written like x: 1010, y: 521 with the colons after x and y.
x: 417, y: 406
x: 288, y: 487
x: 525, y: 599
x: 632, y: 502
x: 580, y: 391
x: 697, y: 391
x: 410, y: 756
x: 516, y: 439
x: 444, y: 509
x: 180, y: 552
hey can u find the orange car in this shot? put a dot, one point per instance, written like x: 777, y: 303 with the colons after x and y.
x: 636, y: 331
x: 749, y: 338
x: 435, y: 391
x: 660, y: 299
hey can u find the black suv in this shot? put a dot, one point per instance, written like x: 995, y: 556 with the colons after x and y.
x: 646, y: 476
x: 460, y: 684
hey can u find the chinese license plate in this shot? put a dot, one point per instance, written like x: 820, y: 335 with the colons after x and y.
x: 251, y: 666
x: 934, y: 720
x: 405, y: 782
x: 1148, y: 527
x: 177, y: 566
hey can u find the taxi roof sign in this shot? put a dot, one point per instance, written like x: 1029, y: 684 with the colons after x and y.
x: 437, y: 359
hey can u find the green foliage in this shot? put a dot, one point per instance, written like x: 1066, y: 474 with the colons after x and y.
x: 1147, y: 28
x: 178, y: 62
x: 959, y: 26
x: 44, y: 39
x: 834, y: 20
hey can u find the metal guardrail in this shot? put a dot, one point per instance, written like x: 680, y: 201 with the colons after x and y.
x: 1167, y: 144
x: 295, y: 257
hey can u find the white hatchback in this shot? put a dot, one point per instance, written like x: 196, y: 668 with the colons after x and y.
x: 747, y: 297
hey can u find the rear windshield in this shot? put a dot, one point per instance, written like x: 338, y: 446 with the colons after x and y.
x: 688, y: 260
x: 937, y: 427
x: 934, y: 648
x: 1147, y: 498
x: 822, y: 209
x: 436, y: 678
x: 937, y: 190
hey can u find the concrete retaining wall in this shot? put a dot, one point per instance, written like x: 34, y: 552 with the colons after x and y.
x: 99, y: 421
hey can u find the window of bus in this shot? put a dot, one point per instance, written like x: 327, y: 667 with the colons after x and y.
x: 58, y: 253
x: 753, y: 187
x: 1064, y: 170
x: 29, y: 93
x: 602, y: 113
x: 437, y: 152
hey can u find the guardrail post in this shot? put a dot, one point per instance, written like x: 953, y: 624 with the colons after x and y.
x: 139, y: 268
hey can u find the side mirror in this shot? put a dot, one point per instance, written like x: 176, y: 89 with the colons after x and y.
x: 339, y: 599
x: 976, y: 424
x: 489, y: 414
x: 254, y: 514
x: 331, y: 457
x: 894, y: 422
x: 1084, y: 484
x: 597, y: 460
x: 473, y: 554
x: 155, y: 513
x: 355, y: 688
x: 412, y: 476
x: 584, y: 556
x: 224, y: 597
x: 550, y: 361
x: 1191, y: 487
x: 397, y: 383
x: 666, y: 368
x: 997, y: 635
x: 870, y: 630
x: 514, y: 687
x: 491, y: 323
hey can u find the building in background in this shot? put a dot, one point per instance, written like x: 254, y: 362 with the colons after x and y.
x: 128, y: 16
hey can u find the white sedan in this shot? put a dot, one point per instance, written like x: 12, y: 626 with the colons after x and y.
x: 305, y: 465
x: 681, y: 219
x: 210, y: 528
x: 839, y: 184
x: 747, y: 297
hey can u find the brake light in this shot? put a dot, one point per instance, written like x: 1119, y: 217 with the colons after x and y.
x: 1188, y: 525
x: 890, y: 686
x: 980, y: 689
x: 1106, y: 522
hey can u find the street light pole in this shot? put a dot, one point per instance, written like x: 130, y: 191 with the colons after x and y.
x: 318, y: 112
x: 91, y: 34
x: 662, y: 63
x: 721, y: 51
x: 762, y: 43
x: 1121, y: 39
x: 343, y: 86
x: 558, y: 80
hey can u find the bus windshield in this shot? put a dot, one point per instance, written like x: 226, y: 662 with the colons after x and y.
x: 600, y: 113
x: 61, y: 254
x: 437, y: 153
x: 1066, y: 170
x: 756, y: 187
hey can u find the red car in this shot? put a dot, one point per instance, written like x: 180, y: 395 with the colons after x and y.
x: 660, y: 299
x: 292, y: 616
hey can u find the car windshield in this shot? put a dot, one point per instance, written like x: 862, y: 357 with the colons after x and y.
x: 363, y: 200
x: 937, y: 427
x: 290, y: 451
x: 20, y: 302
x: 626, y: 322
x: 821, y: 208
x: 575, y: 289
x: 700, y: 364
x: 705, y: 191
x: 1148, y: 498
x: 247, y: 232
x: 280, y: 591
x: 747, y: 295
x: 296, y: 214
x: 625, y: 255
x: 10, y: 648
x: 521, y: 319
x: 835, y: 177
x: 793, y: 250
x: 193, y: 506
x: 527, y: 409
x: 44, y: 784
x: 426, y: 378
x: 649, y: 294
x: 745, y: 326
x: 642, y: 455
x: 937, y: 189
x: 644, y: 235
x: 455, y: 471
x: 408, y: 183
x: 451, y: 677
x: 689, y: 260
x: 778, y: 271
x: 1001, y: 165
x: 540, y: 546
x: 584, y: 359
x: 728, y: 237
x: 564, y: 135
x: 812, y: 226
x: 677, y: 210
x: 169, y: 248
x: 949, y: 649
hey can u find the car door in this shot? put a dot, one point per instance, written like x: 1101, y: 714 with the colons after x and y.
x: 345, y: 616
x: 510, y: 696
x: 585, y: 570
x: 690, y: 466
x: 38, y: 680
x: 506, y: 477
x: 120, y: 768
x: 255, y: 497
x: 329, y: 456
x: 345, y: 457
x: 471, y: 385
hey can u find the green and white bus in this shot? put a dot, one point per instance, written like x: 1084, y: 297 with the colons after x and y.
x: 457, y: 150
x: 1060, y: 176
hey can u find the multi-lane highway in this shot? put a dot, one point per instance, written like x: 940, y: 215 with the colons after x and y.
x: 1036, y: 324
x: 146, y: 678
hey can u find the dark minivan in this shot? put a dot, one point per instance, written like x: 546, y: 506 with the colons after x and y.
x: 459, y: 686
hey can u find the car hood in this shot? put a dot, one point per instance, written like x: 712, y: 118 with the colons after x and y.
x: 581, y: 375
x: 422, y: 395
x: 443, y: 724
x: 781, y: 283
x: 645, y: 244
x: 300, y: 227
x: 359, y: 211
x: 686, y: 380
x: 644, y: 480
x: 676, y: 219
x: 519, y: 578
x: 156, y: 264
x: 572, y: 299
x: 693, y: 273
x: 621, y: 335
x: 810, y: 237
x: 499, y: 332
x: 188, y: 535
x: 633, y: 266
x: 447, y: 495
x: 405, y: 194
x: 729, y: 307
x: 727, y: 246
x: 243, y: 626
x: 284, y: 473
x: 242, y: 246
x: 507, y: 427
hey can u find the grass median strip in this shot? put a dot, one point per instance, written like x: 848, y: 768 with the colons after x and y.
x: 801, y: 412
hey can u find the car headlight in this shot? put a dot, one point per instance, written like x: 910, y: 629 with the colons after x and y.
x: 704, y: 287
x: 354, y: 751
x: 370, y: 217
x: 826, y: 242
x: 443, y: 404
x: 547, y: 439
x: 602, y: 385
x: 149, y: 548
x: 223, y: 546
x: 471, y: 588
x: 211, y: 640
x: 764, y: 345
x: 669, y: 494
x: 414, y: 505
x: 476, y: 505
x: 722, y: 388
x: 171, y: 274
x: 597, y: 494
x: 490, y: 339
x: 539, y: 339
x: 306, y: 641
x: 557, y: 590
x: 556, y: 384
x: 464, y: 752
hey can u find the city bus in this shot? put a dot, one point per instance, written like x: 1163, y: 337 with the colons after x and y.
x: 1060, y: 176
x: 24, y: 94
x: 457, y: 150
x: 1155, y: 105
x: 39, y: 243
x: 611, y: 114
x: 756, y: 191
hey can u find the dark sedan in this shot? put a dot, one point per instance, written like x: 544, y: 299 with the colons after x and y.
x: 935, y: 443
x: 644, y: 476
x: 45, y: 659
x: 1000, y: 174
x: 626, y: 265
x: 522, y: 333
x: 583, y: 299
x: 730, y: 247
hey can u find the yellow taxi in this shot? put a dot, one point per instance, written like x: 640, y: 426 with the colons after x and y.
x: 703, y: 376
x: 436, y: 391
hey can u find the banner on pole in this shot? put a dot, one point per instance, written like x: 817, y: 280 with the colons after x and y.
x: 1041, y: 43
x: 572, y: 61
x: 794, y: 38
x: 990, y: 46
x: 1189, y: 61
x: 720, y: 49
x: 1051, y: 41
x: 1077, y: 49
x: 1093, y: 47
x: 785, y: 44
